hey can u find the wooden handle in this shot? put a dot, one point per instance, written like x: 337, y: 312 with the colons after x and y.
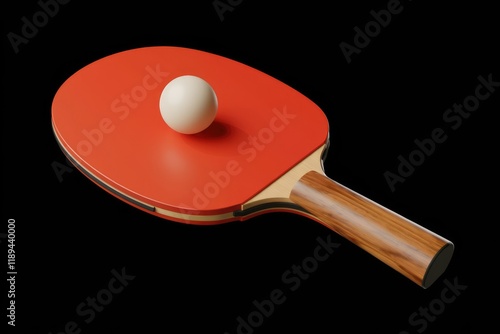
x: 410, y: 249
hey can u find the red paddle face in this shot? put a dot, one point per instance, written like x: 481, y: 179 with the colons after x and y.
x: 106, y: 118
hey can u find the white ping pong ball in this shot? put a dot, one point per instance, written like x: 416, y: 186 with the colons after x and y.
x: 188, y: 104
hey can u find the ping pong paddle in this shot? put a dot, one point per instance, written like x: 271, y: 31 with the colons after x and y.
x: 263, y: 153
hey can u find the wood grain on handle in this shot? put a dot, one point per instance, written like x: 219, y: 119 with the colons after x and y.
x: 410, y: 249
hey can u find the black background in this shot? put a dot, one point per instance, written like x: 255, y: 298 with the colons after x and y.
x: 195, y: 279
